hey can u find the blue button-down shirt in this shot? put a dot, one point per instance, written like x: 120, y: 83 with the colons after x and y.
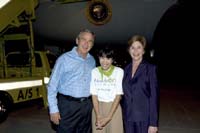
x: 71, y: 76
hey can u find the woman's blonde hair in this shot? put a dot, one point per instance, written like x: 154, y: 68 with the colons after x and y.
x: 135, y: 38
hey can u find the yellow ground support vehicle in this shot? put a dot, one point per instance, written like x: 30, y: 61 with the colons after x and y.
x: 20, y: 84
x: 23, y: 76
x: 24, y: 73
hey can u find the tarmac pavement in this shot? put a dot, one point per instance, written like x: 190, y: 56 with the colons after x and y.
x: 179, y: 113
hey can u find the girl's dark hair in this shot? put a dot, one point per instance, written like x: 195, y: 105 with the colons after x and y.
x: 106, y: 52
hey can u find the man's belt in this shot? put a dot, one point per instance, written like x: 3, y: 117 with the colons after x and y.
x: 70, y: 98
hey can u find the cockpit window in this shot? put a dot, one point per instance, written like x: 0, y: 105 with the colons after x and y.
x: 18, y: 60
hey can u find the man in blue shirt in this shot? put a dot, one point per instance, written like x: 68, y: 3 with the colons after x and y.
x: 69, y: 98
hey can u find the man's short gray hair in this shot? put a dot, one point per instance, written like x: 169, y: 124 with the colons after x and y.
x: 86, y: 30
